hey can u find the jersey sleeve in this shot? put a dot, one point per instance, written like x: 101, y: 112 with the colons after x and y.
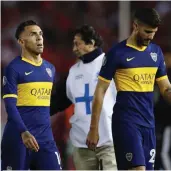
x: 10, y: 83
x: 10, y: 80
x: 161, y: 72
x: 108, y: 68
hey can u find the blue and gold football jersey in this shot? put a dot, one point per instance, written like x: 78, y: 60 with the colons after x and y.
x: 31, y: 84
x: 135, y: 72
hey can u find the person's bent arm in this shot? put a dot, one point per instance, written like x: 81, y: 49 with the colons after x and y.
x: 165, y: 89
x: 162, y: 79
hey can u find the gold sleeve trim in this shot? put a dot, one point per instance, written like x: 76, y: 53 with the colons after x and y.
x: 162, y: 78
x: 10, y: 95
x: 101, y: 78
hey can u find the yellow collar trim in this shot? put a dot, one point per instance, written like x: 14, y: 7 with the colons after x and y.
x: 31, y: 62
x: 139, y: 49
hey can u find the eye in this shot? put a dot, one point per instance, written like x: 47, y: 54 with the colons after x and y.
x: 149, y: 31
x: 31, y: 34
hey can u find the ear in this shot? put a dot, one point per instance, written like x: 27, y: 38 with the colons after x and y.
x: 20, y: 41
x: 135, y: 26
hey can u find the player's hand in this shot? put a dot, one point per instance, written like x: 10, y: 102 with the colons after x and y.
x: 29, y: 141
x: 92, y: 139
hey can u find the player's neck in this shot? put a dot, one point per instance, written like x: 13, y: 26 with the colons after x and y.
x: 132, y: 40
x: 31, y: 57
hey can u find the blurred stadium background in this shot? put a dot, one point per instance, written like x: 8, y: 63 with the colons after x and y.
x: 57, y: 19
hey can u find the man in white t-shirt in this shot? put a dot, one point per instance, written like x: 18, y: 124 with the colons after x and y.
x: 80, y: 87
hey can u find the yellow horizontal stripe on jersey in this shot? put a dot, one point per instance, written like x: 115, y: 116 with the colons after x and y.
x: 162, y: 78
x: 135, y: 79
x: 10, y: 95
x: 34, y: 94
x: 101, y: 78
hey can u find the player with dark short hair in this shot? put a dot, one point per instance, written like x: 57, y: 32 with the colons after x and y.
x: 27, y: 141
x: 135, y: 64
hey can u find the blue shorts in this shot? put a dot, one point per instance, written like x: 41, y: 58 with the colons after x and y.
x: 15, y: 156
x: 134, y: 145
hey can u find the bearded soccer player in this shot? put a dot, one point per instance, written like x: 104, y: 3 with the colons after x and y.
x: 135, y: 64
x: 27, y: 142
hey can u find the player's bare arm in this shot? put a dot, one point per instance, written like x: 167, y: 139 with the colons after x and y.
x: 93, y: 136
x: 165, y: 89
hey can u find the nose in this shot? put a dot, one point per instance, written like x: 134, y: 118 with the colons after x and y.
x: 39, y: 37
x: 74, y: 48
x: 151, y: 36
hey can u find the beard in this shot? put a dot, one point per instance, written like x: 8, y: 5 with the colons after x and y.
x: 142, y: 42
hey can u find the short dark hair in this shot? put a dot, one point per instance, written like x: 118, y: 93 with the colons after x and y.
x: 21, y: 27
x: 147, y: 16
x: 88, y: 33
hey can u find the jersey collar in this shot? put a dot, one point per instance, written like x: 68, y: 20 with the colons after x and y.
x: 31, y: 62
x: 137, y: 48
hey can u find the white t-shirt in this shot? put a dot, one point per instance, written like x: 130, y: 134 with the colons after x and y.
x: 81, y: 84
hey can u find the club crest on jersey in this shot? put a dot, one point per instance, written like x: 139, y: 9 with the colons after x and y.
x: 129, y: 156
x: 49, y: 71
x: 153, y: 56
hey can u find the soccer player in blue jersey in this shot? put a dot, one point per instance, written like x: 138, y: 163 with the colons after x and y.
x: 27, y: 141
x: 135, y: 64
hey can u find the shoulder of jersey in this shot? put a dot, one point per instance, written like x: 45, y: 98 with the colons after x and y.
x: 154, y: 48
x: 74, y: 66
x: 117, y: 46
x: 15, y: 63
x: 48, y: 63
x: 101, y: 55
